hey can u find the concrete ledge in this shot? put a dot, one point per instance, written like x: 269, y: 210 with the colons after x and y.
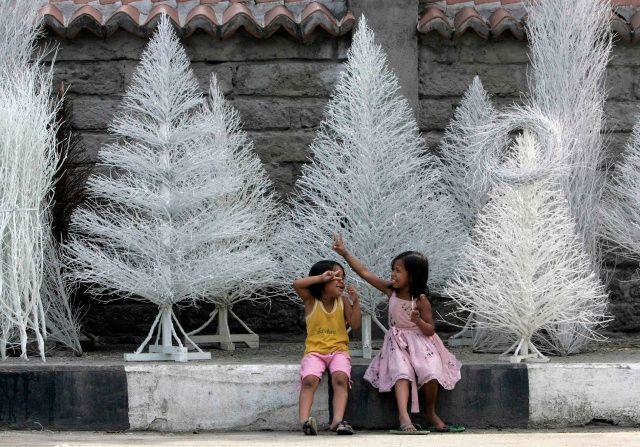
x: 494, y: 395
x: 64, y: 398
x: 564, y: 395
x: 217, y: 397
x: 246, y: 397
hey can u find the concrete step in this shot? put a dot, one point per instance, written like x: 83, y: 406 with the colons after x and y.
x: 245, y: 397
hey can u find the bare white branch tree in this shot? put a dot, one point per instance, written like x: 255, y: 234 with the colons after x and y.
x: 62, y: 317
x: 174, y: 222
x: 570, y: 45
x: 372, y: 180
x: 526, y: 271
x: 28, y: 160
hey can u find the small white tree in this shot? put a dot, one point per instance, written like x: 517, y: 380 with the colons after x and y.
x: 174, y: 222
x: 27, y: 164
x: 467, y: 158
x: 620, y: 212
x: 255, y: 195
x: 61, y: 316
x: 526, y: 270
x: 371, y: 179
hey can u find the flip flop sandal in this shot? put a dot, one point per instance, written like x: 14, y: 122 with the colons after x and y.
x: 344, y: 428
x: 403, y: 430
x: 449, y: 428
x: 310, y: 427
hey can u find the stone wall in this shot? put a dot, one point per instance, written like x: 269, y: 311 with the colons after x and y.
x: 280, y: 87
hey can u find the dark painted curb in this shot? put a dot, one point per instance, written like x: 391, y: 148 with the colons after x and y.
x: 64, y: 398
x: 488, y: 395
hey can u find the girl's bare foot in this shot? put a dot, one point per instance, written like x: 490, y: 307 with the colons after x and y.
x: 406, y: 424
x: 436, y: 421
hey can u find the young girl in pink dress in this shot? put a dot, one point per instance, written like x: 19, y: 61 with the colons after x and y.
x: 412, y: 356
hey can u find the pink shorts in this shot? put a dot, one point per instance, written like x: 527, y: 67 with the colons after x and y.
x: 314, y: 364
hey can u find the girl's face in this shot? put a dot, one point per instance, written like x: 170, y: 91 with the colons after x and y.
x: 399, y: 276
x: 335, y: 287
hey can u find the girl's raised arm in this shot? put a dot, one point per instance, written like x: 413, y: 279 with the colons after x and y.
x: 377, y: 282
x: 301, y: 285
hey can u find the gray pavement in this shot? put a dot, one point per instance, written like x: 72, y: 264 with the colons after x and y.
x: 583, y: 437
x: 618, y: 348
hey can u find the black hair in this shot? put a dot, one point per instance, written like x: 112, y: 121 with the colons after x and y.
x: 318, y: 269
x: 417, y: 266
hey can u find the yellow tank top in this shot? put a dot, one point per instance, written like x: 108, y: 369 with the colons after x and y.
x: 326, y: 331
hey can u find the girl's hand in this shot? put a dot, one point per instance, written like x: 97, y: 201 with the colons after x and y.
x: 415, y: 316
x: 353, y: 294
x: 327, y: 276
x: 338, y: 245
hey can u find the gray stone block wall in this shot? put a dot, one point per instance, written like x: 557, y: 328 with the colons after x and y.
x: 280, y: 87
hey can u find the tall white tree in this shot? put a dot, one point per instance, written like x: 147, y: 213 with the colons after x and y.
x: 28, y: 161
x: 174, y: 222
x: 526, y: 271
x: 570, y: 45
x: 371, y: 179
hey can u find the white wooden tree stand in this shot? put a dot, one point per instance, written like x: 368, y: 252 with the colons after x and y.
x: 521, y: 350
x: 367, y: 351
x: 166, y: 333
x: 465, y: 336
x: 223, y: 337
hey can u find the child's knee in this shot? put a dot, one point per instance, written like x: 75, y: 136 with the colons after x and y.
x: 339, y: 380
x: 310, y: 382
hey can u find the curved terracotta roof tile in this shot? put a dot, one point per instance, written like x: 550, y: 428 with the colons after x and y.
x: 502, y: 20
x: 220, y: 18
x: 435, y: 20
x: 467, y: 18
x: 634, y: 26
x: 492, y: 18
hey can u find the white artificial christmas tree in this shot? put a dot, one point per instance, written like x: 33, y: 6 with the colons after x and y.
x: 620, y: 213
x: 28, y: 161
x: 570, y: 45
x: 526, y: 271
x: 467, y: 157
x: 254, y: 195
x: 372, y: 180
x: 174, y: 222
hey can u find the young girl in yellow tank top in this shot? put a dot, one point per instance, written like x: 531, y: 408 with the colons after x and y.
x: 327, y: 314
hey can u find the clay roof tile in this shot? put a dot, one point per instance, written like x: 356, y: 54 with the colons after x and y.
x: 494, y: 17
x: 221, y: 18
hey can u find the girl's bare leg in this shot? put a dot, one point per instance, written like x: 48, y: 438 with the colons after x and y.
x: 307, y: 390
x: 430, y: 390
x: 340, y: 384
x: 401, y: 389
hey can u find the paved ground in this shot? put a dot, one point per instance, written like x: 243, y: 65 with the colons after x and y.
x: 587, y: 437
x: 618, y: 348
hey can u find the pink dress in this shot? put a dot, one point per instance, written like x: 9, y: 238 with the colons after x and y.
x: 409, y: 354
